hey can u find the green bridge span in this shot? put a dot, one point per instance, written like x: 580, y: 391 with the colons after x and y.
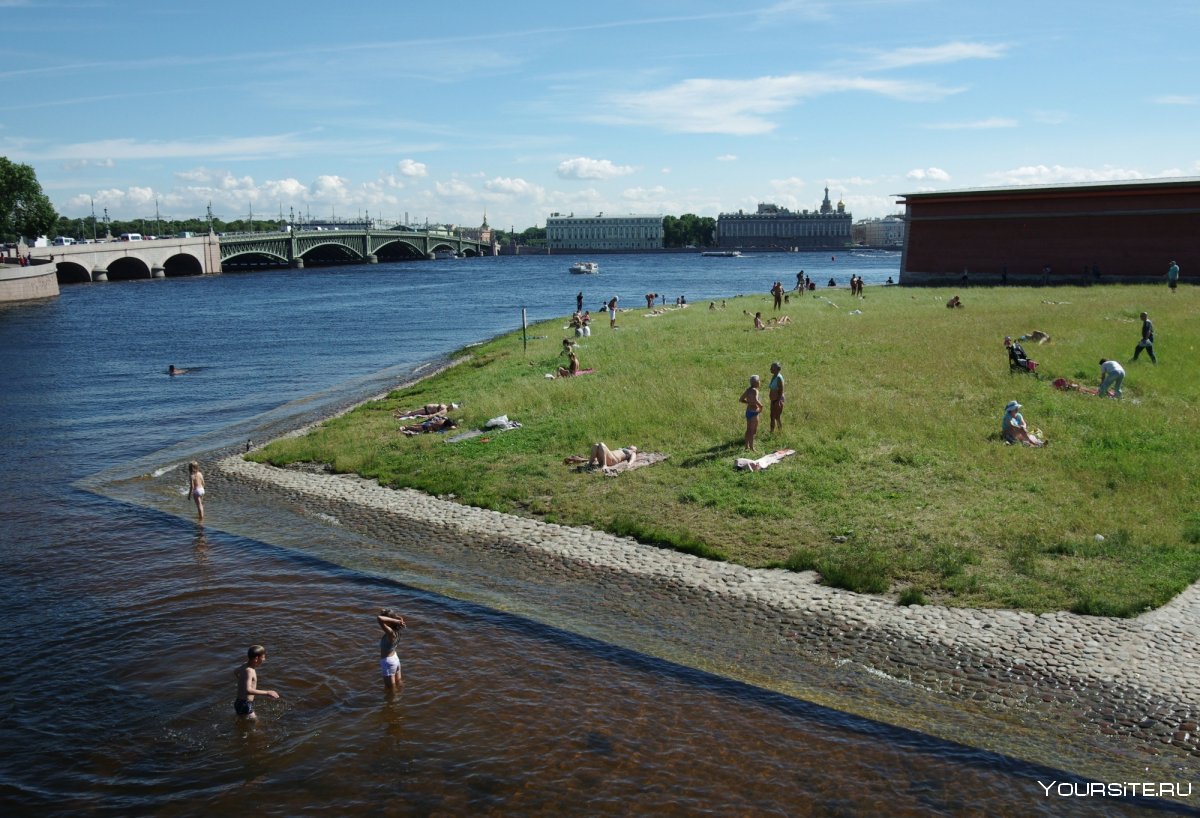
x: 341, y: 246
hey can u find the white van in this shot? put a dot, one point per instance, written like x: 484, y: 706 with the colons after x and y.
x: 63, y: 241
x: 131, y: 237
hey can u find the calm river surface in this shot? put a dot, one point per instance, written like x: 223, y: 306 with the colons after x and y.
x: 120, y: 625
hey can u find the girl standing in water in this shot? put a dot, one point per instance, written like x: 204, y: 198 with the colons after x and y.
x: 196, y: 486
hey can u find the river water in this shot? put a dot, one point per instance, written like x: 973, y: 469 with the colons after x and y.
x: 122, y: 624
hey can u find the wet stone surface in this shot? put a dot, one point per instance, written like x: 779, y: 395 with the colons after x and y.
x: 1105, y: 680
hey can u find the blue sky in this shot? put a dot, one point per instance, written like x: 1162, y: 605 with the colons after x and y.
x: 447, y: 111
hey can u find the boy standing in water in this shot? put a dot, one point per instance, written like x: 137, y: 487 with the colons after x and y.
x: 247, y: 682
x: 196, y: 486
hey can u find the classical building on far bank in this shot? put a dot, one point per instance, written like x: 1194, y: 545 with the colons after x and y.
x: 777, y: 228
x: 482, y: 233
x: 600, y: 232
x: 887, y: 232
x: 1054, y: 234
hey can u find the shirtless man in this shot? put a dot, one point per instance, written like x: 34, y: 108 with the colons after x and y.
x: 247, y: 683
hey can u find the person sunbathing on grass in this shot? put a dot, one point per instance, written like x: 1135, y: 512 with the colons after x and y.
x: 605, y: 457
x: 435, y: 424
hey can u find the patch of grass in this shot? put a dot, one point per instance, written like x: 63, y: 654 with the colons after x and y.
x: 911, y: 596
x: 893, y: 414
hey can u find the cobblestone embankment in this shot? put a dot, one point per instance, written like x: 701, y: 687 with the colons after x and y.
x: 1132, y: 680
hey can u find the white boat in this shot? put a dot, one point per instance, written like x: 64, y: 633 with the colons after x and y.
x: 585, y: 268
x: 722, y: 253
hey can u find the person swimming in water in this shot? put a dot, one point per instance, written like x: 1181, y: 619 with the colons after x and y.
x: 171, y: 370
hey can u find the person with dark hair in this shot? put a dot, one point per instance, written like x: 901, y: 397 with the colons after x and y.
x: 775, y: 391
x: 1111, y: 374
x: 1147, y: 342
x: 247, y: 683
x: 391, y: 624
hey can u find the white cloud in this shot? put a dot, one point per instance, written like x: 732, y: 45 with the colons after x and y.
x: 727, y: 157
x: 1054, y: 174
x: 744, y: 107
x: 975, y: 125
x: 408, y: 167
x: 584, y: 168
x: 78, y: 164
x: 938, y: 54
x: 1176, y: 99
x: 928, y: 174
x: 514, y: 187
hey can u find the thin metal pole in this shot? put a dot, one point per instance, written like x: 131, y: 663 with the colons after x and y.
x: 524, y: 327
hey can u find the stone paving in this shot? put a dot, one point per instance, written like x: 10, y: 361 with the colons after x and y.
x: 1133, y: 680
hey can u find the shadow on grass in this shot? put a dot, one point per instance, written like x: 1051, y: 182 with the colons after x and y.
x: 711, y: 454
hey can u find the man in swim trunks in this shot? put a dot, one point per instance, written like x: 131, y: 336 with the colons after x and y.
x: 775, y: 390
x: 247, y: 682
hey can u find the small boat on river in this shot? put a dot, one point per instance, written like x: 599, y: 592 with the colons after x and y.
x: 722, y: 253
x: 585, y: 268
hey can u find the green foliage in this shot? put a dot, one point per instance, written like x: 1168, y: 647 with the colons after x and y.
x: 899, y: 479
x: 911, y: 596
x: 25, y: 211
x: 689, y: 229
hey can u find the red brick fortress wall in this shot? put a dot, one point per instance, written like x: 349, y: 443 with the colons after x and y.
x: 1127, y: 231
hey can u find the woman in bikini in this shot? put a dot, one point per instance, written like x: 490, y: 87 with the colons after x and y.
x: 754, y: 408
x: 604, y: 457
x: 196, y: 486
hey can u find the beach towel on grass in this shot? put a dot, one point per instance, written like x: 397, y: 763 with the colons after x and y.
x: 498, y: 424
x: 746, y: 464
x: 552, y: 375
x: 642, y: 459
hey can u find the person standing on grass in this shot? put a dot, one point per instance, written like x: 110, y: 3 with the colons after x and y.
x: 1147, y: 342
x: 754, y: 408
x: 579, y: 301
x: 775, y: 393
x: 612, y: 312
x: 1111, y: 374
x: 1173, y: 276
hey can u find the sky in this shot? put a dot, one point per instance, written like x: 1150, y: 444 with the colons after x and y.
x: 450, y: 112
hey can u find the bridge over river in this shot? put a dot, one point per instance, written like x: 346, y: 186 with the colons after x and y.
x: 211, y: 254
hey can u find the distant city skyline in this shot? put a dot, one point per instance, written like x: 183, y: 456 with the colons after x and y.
x: 447, y: 112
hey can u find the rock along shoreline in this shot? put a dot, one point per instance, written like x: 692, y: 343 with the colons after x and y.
x: 1125, y: 684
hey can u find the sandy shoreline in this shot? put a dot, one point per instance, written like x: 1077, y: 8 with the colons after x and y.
x: 1124, y: 683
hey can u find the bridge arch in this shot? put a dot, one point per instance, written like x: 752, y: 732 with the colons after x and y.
x: 127, y: 268
x: 182, y: 264
x: 330, y: 252
x: 70, y: 272
x: 252, y: 260
x: 398, y: 250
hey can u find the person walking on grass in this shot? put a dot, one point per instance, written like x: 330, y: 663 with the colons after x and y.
x: 754, y: 408
x: 1112, y: 374
x: 612, y: 312
x: 1173, y: 276
x: 1147, y: 342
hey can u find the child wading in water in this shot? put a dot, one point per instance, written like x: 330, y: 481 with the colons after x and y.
x: 247, y: 682
x: 196, y: 486
x: 389, y: 662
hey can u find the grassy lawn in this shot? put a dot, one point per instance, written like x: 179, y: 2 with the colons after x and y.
x: 899, y: 485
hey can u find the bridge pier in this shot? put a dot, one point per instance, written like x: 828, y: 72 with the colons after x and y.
x: 158, y: 272
x: 298, y: 263
x: 372, y: 258
x: 99, y: 273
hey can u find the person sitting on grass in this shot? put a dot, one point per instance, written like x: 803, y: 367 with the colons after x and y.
x: 1013, y: 427
x: 605, y: 457
x: 572, y: 367
x: 435, y: 424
